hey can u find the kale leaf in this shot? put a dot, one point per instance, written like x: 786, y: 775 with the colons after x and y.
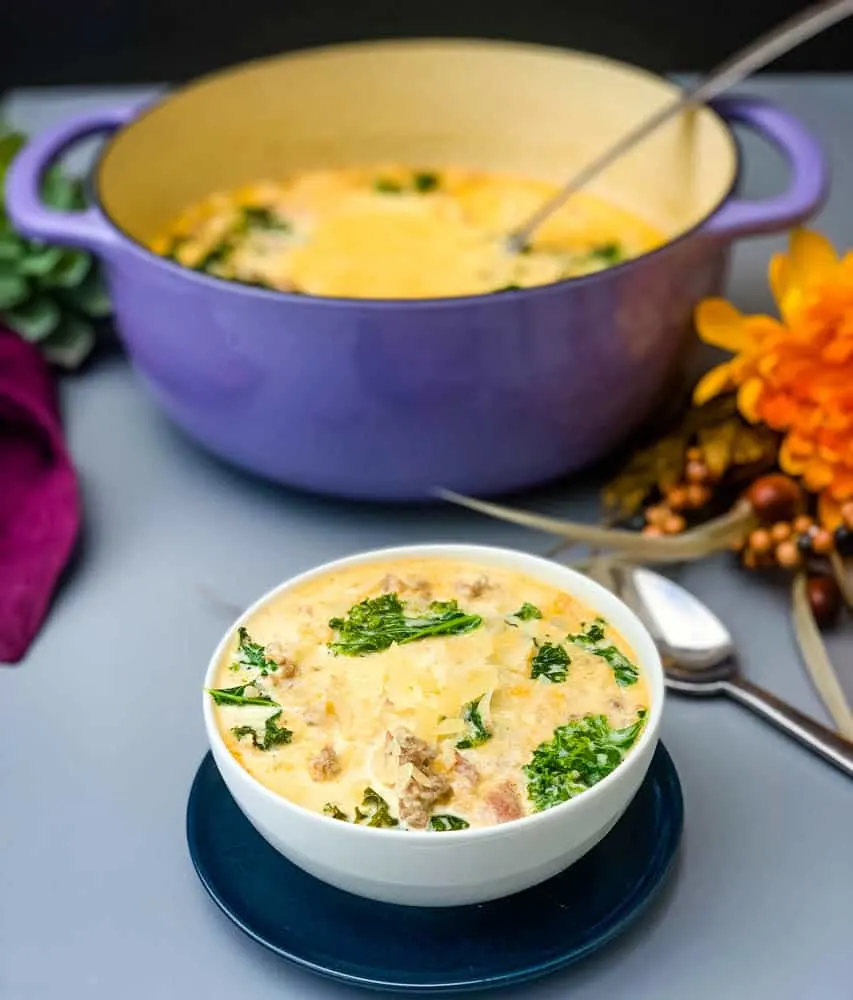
x: 477, y: 733
x: 252, y: 654
x: 259, y: 218
x: 237, y: 696
x: 334, y: 812
x: 274, y: 734
x: 250, y: 219
x: 608, y: 253
x: 425, y: 181
x: 217, y: 254
x: 593, y: 639
x: 551, y: 662
x: 384, y: 186
x: 590, y: 634
x: 379, y: 622
x: 374, y: 810
x: 422, y: 182
x: 578, y: 756
x: 444, y: 821
x: 527, y: 611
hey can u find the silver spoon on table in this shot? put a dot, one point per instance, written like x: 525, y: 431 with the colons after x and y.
x: 699, y: 658
x: 781, y: 39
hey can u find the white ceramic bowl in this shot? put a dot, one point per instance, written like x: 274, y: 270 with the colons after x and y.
x: 467, y: 866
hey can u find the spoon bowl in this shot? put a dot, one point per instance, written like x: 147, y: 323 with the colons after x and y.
x: 687, y: 632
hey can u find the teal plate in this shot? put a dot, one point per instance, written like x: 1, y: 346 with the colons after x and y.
x: 435, y: 951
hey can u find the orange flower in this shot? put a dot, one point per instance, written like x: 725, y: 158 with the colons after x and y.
x: 795, y: 374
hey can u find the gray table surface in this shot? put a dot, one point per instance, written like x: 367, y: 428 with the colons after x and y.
x: 101, y: 730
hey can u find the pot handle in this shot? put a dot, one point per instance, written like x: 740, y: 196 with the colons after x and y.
x: 809, y: 182
x: 88, y: 229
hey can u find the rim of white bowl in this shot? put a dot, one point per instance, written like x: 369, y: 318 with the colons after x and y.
x: 577, y: 584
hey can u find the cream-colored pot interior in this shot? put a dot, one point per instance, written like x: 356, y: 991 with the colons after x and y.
x: 430, y: 103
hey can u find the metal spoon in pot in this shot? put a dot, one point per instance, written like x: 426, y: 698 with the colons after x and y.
x: 770, y: 46
x: 699, y: 658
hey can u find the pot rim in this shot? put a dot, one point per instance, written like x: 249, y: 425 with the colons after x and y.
x: 519, y: 295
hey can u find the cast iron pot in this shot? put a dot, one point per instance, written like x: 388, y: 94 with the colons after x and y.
x: 389, y: 399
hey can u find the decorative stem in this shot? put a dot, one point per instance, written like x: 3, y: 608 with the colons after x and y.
x: 816, y: 659
x: 713, y: 536
x: 839, y: 571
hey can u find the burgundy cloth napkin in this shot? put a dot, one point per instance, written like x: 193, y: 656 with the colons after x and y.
x: 39, y: 498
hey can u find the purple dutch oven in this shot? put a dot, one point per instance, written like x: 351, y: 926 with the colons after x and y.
x: 389, y: 399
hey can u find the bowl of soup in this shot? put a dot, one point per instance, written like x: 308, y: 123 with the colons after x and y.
x: 434, y: 725
x: 308, y: 261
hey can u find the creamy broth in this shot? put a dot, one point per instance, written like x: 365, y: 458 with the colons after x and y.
x: 395, y: 232
x: 438, y: 726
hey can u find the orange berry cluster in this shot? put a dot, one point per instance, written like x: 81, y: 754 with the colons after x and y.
x: 787, y: 537
x: 790, y: 539
x: 787, y: 544
x: 667, y: 517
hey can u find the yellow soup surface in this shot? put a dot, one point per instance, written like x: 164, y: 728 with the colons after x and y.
x: 428, y: 693
x: 395, y: 232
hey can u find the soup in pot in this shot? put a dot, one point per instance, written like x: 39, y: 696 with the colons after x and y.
x: 398, y: 233
x: 428, y: 694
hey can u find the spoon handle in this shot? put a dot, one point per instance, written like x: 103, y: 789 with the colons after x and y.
x: 818, y: 738
x: 770, y: 46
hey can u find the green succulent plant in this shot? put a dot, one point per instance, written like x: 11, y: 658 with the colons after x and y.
x: 51, y: 296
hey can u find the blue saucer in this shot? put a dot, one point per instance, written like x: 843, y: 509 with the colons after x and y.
x: 451, y: 950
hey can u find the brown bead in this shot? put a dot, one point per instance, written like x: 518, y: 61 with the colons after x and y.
x: 760, y: 541
x: 780, y: 532
x: 843, y: 540
x: 653, y: 531
x: 677, y: 497
x: 803, y: 524
x: 787, y: 554
x: 673, y: 525
x: 822, y: 542
x: 775, y: 497
x: 824, y: 599
x: 847, y: 513
x: 694, y: 454
x: 656, y: 514
x: 696, y: 472
x: 697, y: 495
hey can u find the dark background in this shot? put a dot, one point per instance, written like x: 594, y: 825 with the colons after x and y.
x: 48, y: 42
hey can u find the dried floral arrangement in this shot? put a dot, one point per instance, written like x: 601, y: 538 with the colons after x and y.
x: 51, y: 296
x: 762, y: 461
